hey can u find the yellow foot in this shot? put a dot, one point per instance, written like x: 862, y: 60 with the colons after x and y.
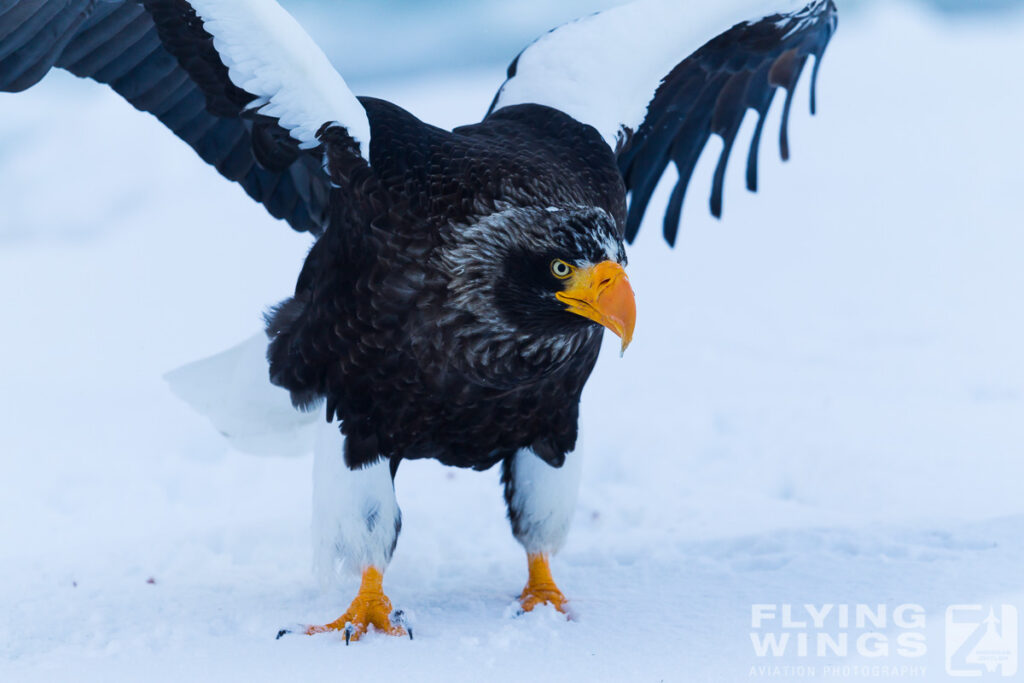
x: 540, y: 587
x: 369, y: 608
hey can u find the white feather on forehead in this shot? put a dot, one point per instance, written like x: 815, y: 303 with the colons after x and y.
x: 487, y: 240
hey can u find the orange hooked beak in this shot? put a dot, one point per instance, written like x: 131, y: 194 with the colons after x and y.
x: 602, y: 293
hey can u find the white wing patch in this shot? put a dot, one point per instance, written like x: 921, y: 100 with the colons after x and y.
x: 605, y: 69
x: 269, y: 55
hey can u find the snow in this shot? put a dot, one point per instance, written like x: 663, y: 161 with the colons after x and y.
x: 269, y: 55
x: 823, y: 402
x: 605, y: 68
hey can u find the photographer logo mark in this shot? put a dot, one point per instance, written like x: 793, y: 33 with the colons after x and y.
x: 981, y: 641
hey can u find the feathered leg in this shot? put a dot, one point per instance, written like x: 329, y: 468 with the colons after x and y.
x: 541, y: 500
x: 356, y: 522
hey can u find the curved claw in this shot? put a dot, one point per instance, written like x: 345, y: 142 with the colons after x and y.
x: 399, y: 620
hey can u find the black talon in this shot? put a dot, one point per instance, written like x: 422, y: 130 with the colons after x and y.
x: 349, y: 630
x: 281, y: 633
x: 397, y: 618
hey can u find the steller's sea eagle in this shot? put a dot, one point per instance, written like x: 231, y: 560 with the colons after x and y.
x: 452, y: 304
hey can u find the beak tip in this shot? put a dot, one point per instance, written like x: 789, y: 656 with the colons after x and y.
x: 626, y: 341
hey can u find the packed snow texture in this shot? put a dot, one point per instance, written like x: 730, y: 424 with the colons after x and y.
x: 823, y: 403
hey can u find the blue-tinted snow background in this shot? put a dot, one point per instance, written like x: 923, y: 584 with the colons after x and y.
x: 412, y: 35
x: 823, y: 404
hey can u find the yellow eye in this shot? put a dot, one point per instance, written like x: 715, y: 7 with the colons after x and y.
x: 561, y: 269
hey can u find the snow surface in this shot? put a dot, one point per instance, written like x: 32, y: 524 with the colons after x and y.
x: 823, y: 403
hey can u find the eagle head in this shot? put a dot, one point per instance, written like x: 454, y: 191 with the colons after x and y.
x: 546, y: 276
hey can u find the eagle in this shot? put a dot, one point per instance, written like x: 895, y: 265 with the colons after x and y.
x: 453, y: 303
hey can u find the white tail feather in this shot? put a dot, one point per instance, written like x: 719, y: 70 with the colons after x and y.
x: 232, y: 389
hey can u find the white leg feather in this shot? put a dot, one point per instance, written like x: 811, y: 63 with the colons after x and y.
x: 541, y: 499
x: 356, y: 519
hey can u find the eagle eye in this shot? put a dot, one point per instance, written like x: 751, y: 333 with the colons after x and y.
x: 561, y: 269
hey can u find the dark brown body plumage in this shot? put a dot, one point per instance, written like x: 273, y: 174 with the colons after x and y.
x: 370, y: 329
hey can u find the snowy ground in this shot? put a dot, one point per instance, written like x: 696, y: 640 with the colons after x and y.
x: 824, y: 402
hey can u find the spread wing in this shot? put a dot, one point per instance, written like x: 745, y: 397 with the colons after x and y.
x: 238, y: 80
x: 648, y: 78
